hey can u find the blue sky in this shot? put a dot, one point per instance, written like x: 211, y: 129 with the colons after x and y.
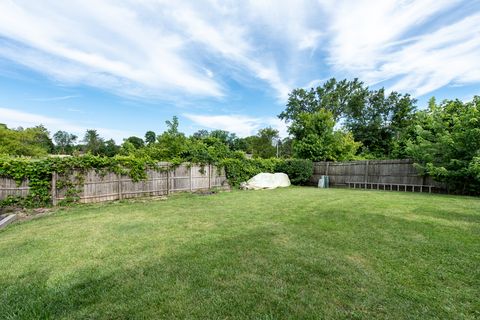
x: 124, y: 67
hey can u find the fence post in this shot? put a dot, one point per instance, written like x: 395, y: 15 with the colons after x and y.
x: 209, y: 176
x: 119, y: 178
x: 54, y: 188
x: 191, y: 178
x: 326, y: 169
x: 168, y: 179
x: 366, y: 173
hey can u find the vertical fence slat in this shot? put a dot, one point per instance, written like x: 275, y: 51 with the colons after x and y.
x: 369, y: 172
x: 119, y: 178
x: 54, y: 188
x: 191, y: 178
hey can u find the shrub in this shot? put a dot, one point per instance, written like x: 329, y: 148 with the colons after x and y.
x: 240, y: 170
x: 298, y: 170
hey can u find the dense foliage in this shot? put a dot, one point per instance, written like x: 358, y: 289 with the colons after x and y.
x: 298, y: 170
x: 446, y: 144
x: 238, y: 170
x: 316, y: 139
x: 34, y: 142
x: 375, y: 120
x: 39, y: 173
x: 337, y: 121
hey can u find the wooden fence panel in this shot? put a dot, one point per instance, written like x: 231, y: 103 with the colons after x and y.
x: 401, y: 172
x: 110, y: 186
x: 9, y: 187
x: 94, y: 187
x: 199, y: 177
x: 180, y: 179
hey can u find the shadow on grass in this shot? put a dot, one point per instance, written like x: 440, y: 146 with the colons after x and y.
x: 263, y: 273
x: 449, y: 215
x: 246, y: 276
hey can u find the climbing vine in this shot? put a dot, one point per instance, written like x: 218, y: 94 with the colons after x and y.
x: 38, y: 173
x: 71, y: 173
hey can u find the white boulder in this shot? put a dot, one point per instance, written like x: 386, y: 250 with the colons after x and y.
x: 267, y: 181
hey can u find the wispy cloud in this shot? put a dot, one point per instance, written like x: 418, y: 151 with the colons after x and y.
x: 403, y: 42
x: 60, y: 98
x: 14, y: 118
x: 242, y: 125
x: 102, y: 44
x: 207, y: 49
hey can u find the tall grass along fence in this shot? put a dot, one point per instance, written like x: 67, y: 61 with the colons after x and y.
x: 98, y: 187
x: 395, y: 175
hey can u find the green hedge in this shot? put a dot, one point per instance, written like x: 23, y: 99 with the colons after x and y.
x: 298, y: 170
x: 239, y: 170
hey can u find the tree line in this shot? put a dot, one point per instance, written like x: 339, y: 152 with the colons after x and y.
x: 36, y: 142
x: 336, y: 121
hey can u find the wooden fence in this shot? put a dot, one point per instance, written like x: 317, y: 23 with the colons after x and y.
x: 9, y: 187
x: 95, y: 187
x: 396, y: 174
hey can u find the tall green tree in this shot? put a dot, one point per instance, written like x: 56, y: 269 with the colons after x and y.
x: 380, y: 121
x: 334, y: 96
x: 172, y: 143
x: 110, y: 148
x: 34, y: 142
x: 285, y: 149
x: 93, y: 143
x: 263, y: 145
x: 41, y: 137
x: 136, y: 142
x: 446, y: 144
x: 314, y: 138
x: 201, y: 134
x: 376, y: 119
x: 64, y: 141
x: 150, y: 137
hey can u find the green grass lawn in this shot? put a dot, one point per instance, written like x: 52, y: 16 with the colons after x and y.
x: 294, y: 253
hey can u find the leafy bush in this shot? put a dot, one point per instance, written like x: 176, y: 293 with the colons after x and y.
x: 298, y: 170
x: 446, y: 144
x: 240, y: 170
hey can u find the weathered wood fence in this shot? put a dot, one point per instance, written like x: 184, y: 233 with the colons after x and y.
x: 95, y: 187
x: 9, y: 187
x: 375, y: 174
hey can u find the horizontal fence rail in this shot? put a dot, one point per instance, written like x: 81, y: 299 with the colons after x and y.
x: 375, y: 174
x: 95, y: 187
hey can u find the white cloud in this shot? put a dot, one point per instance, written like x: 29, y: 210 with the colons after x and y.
x: 401, y: 41
x: 102, y: 44
x: 242, y: 125
x: 226, y: 35
x: 14, y: 118
x: 150, y: 48
x: 190, y: 49
x: 448, y: 55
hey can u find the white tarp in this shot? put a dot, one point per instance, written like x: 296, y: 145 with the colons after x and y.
x: 267, y: 181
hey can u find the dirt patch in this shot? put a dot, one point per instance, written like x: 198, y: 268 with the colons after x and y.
x: 143, y: 199
x: 30, y: 214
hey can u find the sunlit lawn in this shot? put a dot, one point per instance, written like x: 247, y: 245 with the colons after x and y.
x: 287, y: 253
